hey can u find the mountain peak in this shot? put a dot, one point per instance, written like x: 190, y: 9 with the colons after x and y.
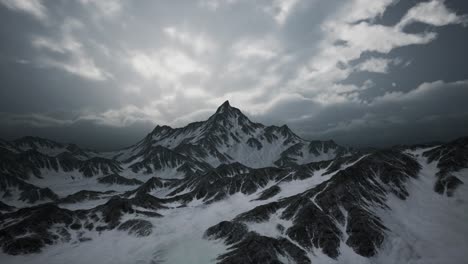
x: 226, y: 111
x: 224, y: 107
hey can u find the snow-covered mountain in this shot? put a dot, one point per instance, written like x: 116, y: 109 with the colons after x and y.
x: 228, y: 190
x: 229, y: 136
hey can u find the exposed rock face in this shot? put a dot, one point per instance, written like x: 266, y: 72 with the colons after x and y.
x: 250, y: 247
x: 450, y: 158
x: 33, y: 228
x: 27, y: 192
x: 116, y: 207
x: 29, y: 229
x: 232, y: 232
x: 263, y: 249
x: 305, y: 152
x: 85, y: 196
x: 12, y: 164
x: 117, y: 179
x: 96, y: 166
x: 24, y: 245
x: 270, y: 192
x: 50, y: 148
x: 150, y: 185
x: 5, y: 207
x: 36, y: 142
x: 137, y: 227
x: 217, y: 184
x: 32, y: 163
x: 159, y: 158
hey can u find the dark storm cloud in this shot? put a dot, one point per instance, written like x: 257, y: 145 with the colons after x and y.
x: 433, y: 111
x: 102, y: 73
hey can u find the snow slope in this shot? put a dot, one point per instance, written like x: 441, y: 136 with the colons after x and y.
x: 427, y: 227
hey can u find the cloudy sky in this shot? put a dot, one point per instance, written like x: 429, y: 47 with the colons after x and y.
x: 102, y: 73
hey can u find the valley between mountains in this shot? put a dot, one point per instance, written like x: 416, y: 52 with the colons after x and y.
x: 228, y: 190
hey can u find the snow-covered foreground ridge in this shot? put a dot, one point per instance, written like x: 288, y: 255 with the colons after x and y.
x: 228, y: 190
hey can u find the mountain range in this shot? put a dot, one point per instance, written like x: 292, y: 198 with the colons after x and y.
x: 229, y: 190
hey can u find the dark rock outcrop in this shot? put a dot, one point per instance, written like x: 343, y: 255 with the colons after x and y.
x: 97, y: 166
x: 5, y: 207
x: 231, y: 232
x: 137, y: 227
x: 270, y: 192
x: 258, y: 249
x: 451, y: 157
x: 84, y: 195
x: 27, y: 192
x: 221, y: 182
x: 29, y: 229
x: 117, y: 179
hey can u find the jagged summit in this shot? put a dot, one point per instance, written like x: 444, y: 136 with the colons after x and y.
x: 222, y: 112
x: 229, y: 136
x: 228, y: 113
x: 224, y: 107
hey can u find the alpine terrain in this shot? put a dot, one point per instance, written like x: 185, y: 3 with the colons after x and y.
x: 228, y: 190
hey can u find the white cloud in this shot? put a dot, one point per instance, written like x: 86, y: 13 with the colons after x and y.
x: 32, y: 7
x: 378, y: 65
x: 196, y: 115
x: 66, y: 44
x: 357, y: 10
x: 22, y: 61
x: 124, y: 116
x: 165, y: 64
x: 261, y: 48
x: 33, y: 119
x: 282, y: 100
x: 331, y: 64
x: 378, y: 38
x: 199, y: 43
x: 215, y: 4
x: 76, y: 60
x: 79, y: 65
x: 132, y: 89
x: 421, y: 92
x: 434, y: 13
x: 107, y: 8
x: 163, y: 110
x: 281, y: 9
x: 366, y: 121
